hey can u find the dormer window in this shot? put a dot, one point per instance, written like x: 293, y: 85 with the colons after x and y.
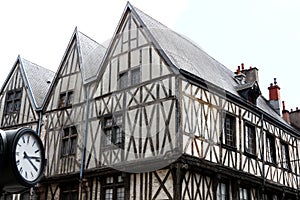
x: 249, y: 91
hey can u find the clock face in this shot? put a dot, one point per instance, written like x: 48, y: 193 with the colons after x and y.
x: 29, y: 156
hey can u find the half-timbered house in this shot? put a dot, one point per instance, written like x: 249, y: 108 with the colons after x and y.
x: 153, y: 116
x: 22, y: 96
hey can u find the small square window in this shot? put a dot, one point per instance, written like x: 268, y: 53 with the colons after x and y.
x: 66, y: 99
x: 13, y: 101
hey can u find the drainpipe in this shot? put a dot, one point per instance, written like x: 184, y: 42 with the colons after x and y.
x: 87, y: 91
x: 40, y: 124
x: 263, y: 154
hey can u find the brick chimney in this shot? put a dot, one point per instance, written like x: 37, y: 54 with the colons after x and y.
x: 274, y: 96
x: 285, y: 114
x: 295, y: 118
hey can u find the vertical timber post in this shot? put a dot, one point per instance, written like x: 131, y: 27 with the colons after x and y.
x: 178, y: 171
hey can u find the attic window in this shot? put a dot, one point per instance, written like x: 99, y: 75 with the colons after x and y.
x: 65, y: 99
x: 13, y: 101
x: 129, y: 78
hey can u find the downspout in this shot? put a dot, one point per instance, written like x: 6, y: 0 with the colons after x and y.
x: 87, y: 106
x: 40, y: 124
x: 263, y: 155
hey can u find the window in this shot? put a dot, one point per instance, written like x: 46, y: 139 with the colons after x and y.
x: 250, y: 144
x: 123, y: 80
x: 270, y: 149
x: 113, y: 133
x: 66, y: 99
x: 229, y: 131
x: 135, y: 76
x: 244, y: 194
x: 13, y: 101
x: 285, y: 156
x: 69, y: 141
x: 222, y: 191
x: 69, y: 191
x: 113, y: 188
x: 130, y: 77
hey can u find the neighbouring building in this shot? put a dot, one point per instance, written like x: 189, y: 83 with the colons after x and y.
x: 153, y: 116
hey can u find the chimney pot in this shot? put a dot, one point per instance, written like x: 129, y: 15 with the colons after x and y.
x: 242, y: 66
x: 283, y: 105
x: 238, y: 71
x: 297, y: 108
x: 291, y: 110
x: 275, y: 82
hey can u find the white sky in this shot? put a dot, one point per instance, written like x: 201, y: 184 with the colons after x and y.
x: 261, y: 33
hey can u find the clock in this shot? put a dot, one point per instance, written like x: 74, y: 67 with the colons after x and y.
x: 25, y: 159
x: 28, y: 156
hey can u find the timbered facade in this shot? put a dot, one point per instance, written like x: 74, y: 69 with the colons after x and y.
x: 21, y: 99
x: 152, y: 116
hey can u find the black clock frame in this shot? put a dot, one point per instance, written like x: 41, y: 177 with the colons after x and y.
x: 11, y: 180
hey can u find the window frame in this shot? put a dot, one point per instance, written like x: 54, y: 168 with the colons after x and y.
x: 250, y: 151
x: 66, y: 99
x: 116, y: 182
x: 115, y: 130
x: 221, y: 183
x: 15, y: 101
x: 72, y: 136
x: 225, y: 136
x: 285, y: 162
x: 243, y: 189
x: 270, y: 149
x: 125, y: 78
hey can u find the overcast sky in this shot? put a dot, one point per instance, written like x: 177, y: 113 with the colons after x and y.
x: 261, y: 33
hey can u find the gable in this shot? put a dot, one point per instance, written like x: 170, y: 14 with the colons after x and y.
x: 131, y: 49
x: 16, y: 106
x: 68, y: 78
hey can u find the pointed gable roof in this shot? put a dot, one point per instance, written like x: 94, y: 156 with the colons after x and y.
x: 38, y: 79
x: 91, y: 54
x: 186, y: 56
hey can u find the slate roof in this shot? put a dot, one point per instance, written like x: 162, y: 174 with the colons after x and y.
x: 91, y: 55
x: 188, y: 56
x: 38, y: 79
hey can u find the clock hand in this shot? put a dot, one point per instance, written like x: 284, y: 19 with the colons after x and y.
x: 28, y: 158
x: 35, y: 158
